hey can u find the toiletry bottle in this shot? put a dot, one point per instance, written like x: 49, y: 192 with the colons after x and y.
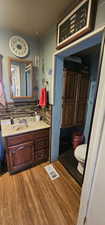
x: 37, y: 117
x: 12, y: 121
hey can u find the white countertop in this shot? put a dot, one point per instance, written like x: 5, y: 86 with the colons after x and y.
x: 9, y: 130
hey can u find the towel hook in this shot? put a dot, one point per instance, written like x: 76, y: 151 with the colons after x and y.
x: 44, y: 83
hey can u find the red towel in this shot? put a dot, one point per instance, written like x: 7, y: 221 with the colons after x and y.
x: 43, y: 98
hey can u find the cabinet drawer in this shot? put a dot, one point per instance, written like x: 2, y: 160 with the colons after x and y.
x: 41, y: 133
x: 19, y: 139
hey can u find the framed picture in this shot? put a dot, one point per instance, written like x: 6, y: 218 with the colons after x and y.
x: 77, y: 23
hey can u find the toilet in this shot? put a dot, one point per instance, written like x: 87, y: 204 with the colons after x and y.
x: 80, y: 155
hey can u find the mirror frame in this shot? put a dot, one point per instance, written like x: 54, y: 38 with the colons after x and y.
x: 10, y: 59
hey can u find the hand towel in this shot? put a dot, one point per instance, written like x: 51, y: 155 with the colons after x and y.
x: 43, y: 98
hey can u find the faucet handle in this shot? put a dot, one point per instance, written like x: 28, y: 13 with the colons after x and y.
x: 12, y: 120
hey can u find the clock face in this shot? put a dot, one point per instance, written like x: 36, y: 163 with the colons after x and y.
x: 18, y: 46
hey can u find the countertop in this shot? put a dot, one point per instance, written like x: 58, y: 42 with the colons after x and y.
x: 9, y: 130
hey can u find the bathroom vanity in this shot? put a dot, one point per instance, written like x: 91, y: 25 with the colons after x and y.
x: 26, y: 144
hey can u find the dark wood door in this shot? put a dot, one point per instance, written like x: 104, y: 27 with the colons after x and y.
x: 74, y: 98
x: 21, y: 155
x: 81, y: 100
x: 69, y: 85
x: 68, y: 113
x: 68, y: 99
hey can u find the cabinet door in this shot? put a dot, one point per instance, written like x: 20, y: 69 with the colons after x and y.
x: 81, y: 101
x: 41, y: 148
x: 68, y: 99
x: 21, y: 155
x: 68, y: 113
x: 70, y: 84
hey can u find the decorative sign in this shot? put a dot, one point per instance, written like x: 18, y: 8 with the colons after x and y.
x: 74, y: 25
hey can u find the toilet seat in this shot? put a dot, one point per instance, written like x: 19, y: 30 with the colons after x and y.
x: 80, y: 152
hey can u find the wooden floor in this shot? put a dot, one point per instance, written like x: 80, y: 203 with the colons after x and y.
x: 31, y: 198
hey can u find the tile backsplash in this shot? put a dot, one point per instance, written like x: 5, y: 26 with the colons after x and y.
x: 24, y: 109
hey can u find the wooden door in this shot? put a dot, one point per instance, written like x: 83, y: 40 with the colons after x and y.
x: 21, y: 155
x: 81, y: 99
x: 69, y: 96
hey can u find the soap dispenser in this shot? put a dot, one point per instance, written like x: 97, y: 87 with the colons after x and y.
x: 37, y: 117
x: 11, y: 119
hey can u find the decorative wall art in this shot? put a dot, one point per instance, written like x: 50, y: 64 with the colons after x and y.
x: 77, y: 23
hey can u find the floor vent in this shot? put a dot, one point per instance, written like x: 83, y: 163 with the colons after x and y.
x: 52, y: 172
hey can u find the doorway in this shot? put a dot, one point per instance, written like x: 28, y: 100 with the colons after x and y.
x: 79, y: 88
x: 90, y: 40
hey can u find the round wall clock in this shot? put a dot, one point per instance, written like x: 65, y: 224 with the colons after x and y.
x: 18, y: 46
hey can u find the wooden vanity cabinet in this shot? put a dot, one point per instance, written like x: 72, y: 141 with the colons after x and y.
x: 25, y: 150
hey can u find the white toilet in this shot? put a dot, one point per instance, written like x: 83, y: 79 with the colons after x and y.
x: 80, y: 155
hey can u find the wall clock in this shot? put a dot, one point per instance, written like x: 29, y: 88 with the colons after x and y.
x: 18, y: 46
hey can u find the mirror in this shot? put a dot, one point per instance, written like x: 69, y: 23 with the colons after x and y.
x: 20, y: 78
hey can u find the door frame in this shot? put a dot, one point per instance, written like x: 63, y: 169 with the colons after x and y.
x: 85, y: 42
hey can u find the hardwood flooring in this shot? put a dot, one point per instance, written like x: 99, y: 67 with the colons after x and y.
x: 31, y: 198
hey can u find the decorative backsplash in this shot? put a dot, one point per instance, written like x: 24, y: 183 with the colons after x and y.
x: 17, y: 110
x: 23, y: 109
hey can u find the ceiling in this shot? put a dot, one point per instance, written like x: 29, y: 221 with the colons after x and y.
x: 31, y: 17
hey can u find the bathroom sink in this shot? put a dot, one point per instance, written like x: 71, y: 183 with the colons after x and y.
x: 18, y: 126
x: 22, y: 125
x: 24, y: 120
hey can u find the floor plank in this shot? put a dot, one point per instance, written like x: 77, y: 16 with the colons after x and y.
x: 31, y: 198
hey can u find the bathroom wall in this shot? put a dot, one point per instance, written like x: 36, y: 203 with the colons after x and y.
x: 100, y: 15
x: 47, y: 48
x: 5, y: 51
x: 48, y: 45
x: 93, y: 68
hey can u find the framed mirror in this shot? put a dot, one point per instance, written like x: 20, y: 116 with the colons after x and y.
x: 21, y: 76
